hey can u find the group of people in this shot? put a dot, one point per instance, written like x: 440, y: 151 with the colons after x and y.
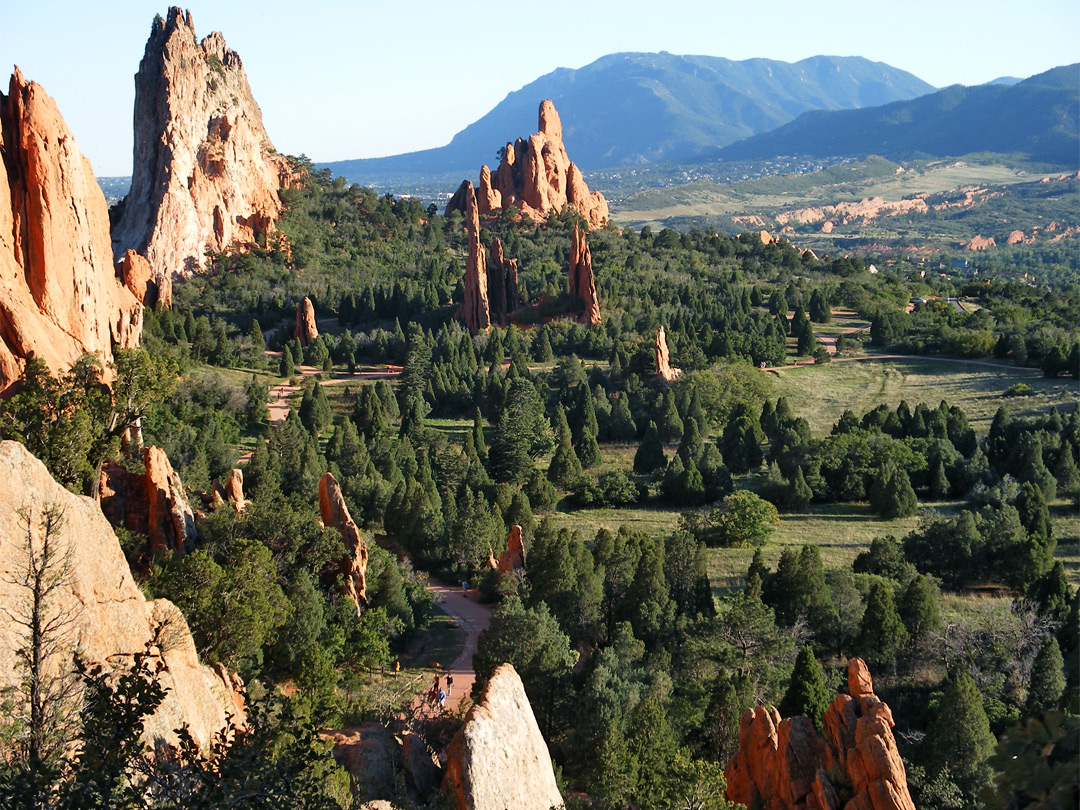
x: 437, y: 695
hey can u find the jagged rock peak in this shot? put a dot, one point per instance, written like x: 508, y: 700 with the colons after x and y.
x: 538, y: 178
x: 502, y: 281
x: 786, y: 764
x: 663, y: 358
x: 582, y: 282
x: 477, y: 309
x: 352, y: 568
x: 205, y: 176
x: 59, y: 296
x: 110, y: 618
x: 498, y: 758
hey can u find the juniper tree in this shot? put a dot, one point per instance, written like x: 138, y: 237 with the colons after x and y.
x: 808, y: 695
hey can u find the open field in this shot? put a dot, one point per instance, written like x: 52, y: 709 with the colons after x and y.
x: 821, y: 393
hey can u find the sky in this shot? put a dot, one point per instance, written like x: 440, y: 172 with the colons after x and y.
x: 338, y: 80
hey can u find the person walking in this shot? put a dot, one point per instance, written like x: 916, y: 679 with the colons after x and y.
x: 449, y: 684
x: 442, y: 700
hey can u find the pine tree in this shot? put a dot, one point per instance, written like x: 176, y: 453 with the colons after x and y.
x: 622, y: 427
x: 807, y: 694
x: 287, y: 365
x: 882, y: 636
x: 565, y: 468
x: 891, y: 495
x: 919, y: 607
x: 1032, y: 468
x: 939, y: 484
x: 799, y: 493
x: 961, y: 740
x: 650, y: 453
x: 1047, y: 680
x: 670, y: 423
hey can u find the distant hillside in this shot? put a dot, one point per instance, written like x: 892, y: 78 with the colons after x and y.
x: 632, y: 108
x: 1038, y: 118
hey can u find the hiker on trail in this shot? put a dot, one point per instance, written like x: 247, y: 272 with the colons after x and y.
x: 449, y: 684
x: 465, y: 587
x: 435, y: 685
x: 397, y: 667
x: 442, y: 700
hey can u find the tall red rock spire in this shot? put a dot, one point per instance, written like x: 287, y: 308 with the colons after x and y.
x: 59, y: 297
x: 476, y: 312
x: 582, y: 283
x: 205, y: 176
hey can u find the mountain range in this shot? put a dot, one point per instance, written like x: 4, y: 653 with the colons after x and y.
x: 1037, y: 118
x: 632, y: 108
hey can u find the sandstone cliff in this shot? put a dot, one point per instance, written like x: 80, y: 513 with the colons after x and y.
x: 205, y: 176
x: 502, y: 283
x: 306, y: 330
x: 59, y: 297
x: 787, y: 765
x: 663, y: 358
x: 111, y: 618
x: 582, y: 282
x: 537, y: 177
x: 498, y: 759
x: 353, y: 566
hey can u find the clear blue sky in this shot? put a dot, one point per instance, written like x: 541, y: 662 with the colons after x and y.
x: 339, y: 80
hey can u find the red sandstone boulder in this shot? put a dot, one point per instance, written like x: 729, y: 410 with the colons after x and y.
x: 138, y: 277
x: 513, y: 559
x: 353, y: 566
x: 59, y: 296
x: 170, y: 521
x: 582, y: 282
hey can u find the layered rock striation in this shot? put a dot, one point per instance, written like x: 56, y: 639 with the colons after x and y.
x: 498, y: 758
x: 537, y: 177
x: 306, y: 330
x: 785, y: 764
x: 582, y: 281
x: 476, y: 310
x: 502, y: 284
x: 110, y: 619
x: 205, y: 176
x: 59, y: 297
x: 352, y: 568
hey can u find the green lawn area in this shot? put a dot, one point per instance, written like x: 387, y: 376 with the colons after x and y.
x: 821, y: 393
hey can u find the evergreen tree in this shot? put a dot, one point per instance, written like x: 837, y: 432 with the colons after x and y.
x: 521, y: 434
x: 622, y: 427
x: 287, y: 365
x: 882, y: 636
x: 961, y: 740
x: 819, y: 307
x: 650, y: 453
x: 1047, y: 680
x: 807, y: 694
x: 565, y: 468
x: 1032, y: 468
x: 939, y: 484
x: 670, y: 424
x: 919, y: 607
x: 799, y: 493
x: 891, y: 495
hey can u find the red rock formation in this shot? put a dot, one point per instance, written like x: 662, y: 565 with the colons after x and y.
x: 663, y: 358
x: 537, y: 177
x: 513, y: 559
x: 111, y: 619
x: 137, y: 276
x: 1015, y: 238
x: 353, y: 566
x: 231, y: 492
x: 306, y: 330
x: 766, y: 238
x: 476, y: 311
x: 502, y: 284
x: 170, y: 521
x: 498, y: 758
x: 980, y: 243
x: 205, y: 176
x: 786, y: 764
x: 582, y: 282
x: 59, y: 297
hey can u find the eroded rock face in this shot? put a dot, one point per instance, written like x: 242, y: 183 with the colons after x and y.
x: 59, y: 297
x: 112, y: 619
x: 498, y: 759
x: 786, y: 764
x: 306, y: 330
x: 205, y: 176
x: 663, y: 358
x: 138, y: 278
x: 980, y: 243
x: 537, y: 177
x: 502, y: 284
x: 476, y: 311
x: 582, y: 282
x: 513, y: 559
x: 352, y: 567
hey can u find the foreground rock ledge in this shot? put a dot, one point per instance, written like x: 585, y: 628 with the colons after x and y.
x: 111, y: 619
x: 498, y: 759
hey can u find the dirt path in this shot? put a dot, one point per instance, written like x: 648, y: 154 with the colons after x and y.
x: 474, y: 619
